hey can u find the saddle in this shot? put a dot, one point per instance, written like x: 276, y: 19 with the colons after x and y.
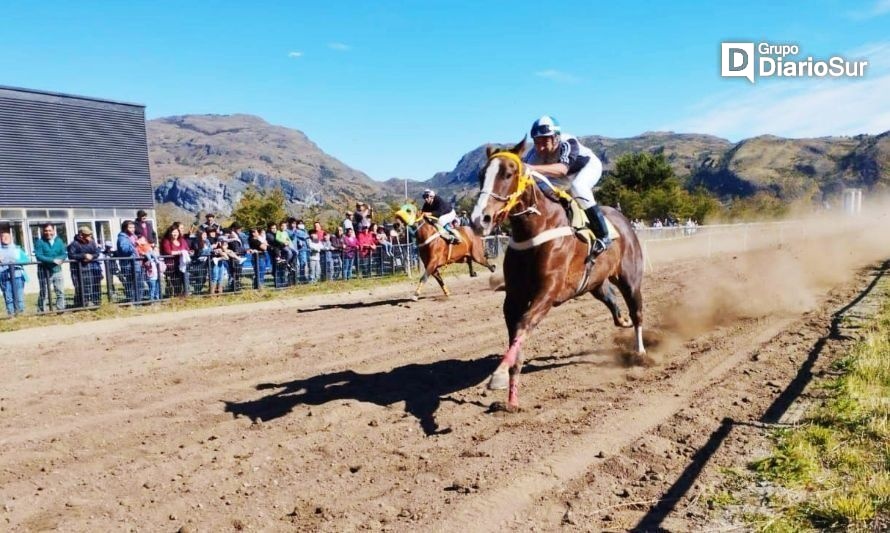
x: 577, y: 217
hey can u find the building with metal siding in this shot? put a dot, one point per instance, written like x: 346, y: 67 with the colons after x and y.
x: 72, y: 161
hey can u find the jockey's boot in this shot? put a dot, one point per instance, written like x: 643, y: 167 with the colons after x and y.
x: 600, y: 230
x: 455, y: 234
x: 448, y: 233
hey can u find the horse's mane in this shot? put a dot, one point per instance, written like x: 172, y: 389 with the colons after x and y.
x: 549, y: 197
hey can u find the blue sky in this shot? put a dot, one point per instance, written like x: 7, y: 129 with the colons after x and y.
x: 403, y: 89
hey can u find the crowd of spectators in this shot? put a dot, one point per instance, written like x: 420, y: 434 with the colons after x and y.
x: 666, y: 222
x: 200, y: 258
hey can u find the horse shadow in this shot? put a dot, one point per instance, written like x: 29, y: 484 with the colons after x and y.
x: 421, y: 386
x: 394, y: 302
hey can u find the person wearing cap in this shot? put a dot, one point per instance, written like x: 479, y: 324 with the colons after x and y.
x: 560, y: 155
x: 86, y: 271
x: 464, y: 218
x: 49, y: 250
x: 362, y: 216
x: 145, y: 228
x: 441, y: 209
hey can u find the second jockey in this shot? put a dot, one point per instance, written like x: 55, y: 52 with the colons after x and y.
x: 560, y: 155
x: 444, y: 213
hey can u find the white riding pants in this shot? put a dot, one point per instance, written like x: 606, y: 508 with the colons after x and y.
x: 584, y: 181
x: 447, y: 218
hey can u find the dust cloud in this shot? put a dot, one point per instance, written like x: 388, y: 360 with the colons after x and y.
x: 763, y: 270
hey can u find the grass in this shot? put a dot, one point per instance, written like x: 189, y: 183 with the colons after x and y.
x: 106, y: 311
x: 836, y: 465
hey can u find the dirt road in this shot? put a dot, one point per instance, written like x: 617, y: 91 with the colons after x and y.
x: 368, y: 411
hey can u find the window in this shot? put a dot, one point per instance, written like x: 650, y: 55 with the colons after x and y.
x: 101, y: 230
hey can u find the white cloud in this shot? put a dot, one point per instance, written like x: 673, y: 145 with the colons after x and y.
x: 340, y: 47
x: 557, y: 75
x: 879, y: 8
x: 295, y: 54
x: 800, y: 107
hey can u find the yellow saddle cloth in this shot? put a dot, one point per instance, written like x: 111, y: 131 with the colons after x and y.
x: 580, y: 220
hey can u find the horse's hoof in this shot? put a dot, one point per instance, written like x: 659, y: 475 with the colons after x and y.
x: 503, y: 407
x: 499, y: 380
x: 624, y: 322
x: 492, y: 268
x: 415, y: 297
x: 473, y: 274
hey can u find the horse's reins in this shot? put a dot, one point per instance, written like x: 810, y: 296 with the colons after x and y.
x: 525, y: 181
x: 522, y: 184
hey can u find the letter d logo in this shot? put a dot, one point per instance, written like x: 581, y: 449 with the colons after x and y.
x: 737, y: 60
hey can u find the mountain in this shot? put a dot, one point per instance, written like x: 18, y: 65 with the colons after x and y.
x: 787, y: 168
x: 205, y: 163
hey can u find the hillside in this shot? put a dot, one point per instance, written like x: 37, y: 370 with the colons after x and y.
x: 787, y: 168
x: 205, y: 162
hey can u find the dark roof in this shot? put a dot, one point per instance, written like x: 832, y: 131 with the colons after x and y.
x: 64, y: 151
x: 21, y: 92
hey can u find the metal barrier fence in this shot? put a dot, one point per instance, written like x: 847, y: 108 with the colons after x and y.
x: 128, y: 281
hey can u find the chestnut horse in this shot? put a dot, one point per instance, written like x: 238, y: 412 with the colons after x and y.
x: 546, y: 264
x: 435, y: 252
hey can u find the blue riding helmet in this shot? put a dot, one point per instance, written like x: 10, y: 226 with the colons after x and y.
x: 545, y: 126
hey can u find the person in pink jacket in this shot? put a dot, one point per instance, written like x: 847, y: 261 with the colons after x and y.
x: 350, y: 250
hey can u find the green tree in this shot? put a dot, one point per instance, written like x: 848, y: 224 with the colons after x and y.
x: 466, y: 203
x: 642, y: 171
x: 645, y: 186
x: 311, y: 214
x: 255, y: 209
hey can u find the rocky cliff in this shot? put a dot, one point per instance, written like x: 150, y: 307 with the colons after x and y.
x: 205, y: 162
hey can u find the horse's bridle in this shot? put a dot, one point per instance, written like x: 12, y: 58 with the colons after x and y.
x: 523, y: 182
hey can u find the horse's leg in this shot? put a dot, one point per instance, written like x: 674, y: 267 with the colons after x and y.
x: 470, y: 266
x: 426, y: 274
x: 633, y: 297
x: 512, y: 315
x: 476, y: 250
x: 478, y: 254
x: 540, y: 306
x: 441, y: 281
x: 606, y: 294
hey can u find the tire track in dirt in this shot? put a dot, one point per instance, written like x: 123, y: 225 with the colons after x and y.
x: 577, y: 456
x: 341, y: 442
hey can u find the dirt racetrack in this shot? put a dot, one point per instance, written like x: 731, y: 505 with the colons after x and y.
x: 365, y: 410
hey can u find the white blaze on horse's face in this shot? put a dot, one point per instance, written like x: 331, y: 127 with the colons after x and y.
x: 483, y: 215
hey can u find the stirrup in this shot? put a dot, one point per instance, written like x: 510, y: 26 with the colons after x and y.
x: 599, y: 246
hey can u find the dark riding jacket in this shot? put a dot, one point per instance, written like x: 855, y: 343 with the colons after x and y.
x: 437, y: 207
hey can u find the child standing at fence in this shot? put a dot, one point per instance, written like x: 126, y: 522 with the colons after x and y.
x: 151, y: 267
x: 315, y: 248
x: 222, y: 260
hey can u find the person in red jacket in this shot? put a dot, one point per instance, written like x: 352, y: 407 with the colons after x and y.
x: 176, y: 251
x: 367, y: 244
